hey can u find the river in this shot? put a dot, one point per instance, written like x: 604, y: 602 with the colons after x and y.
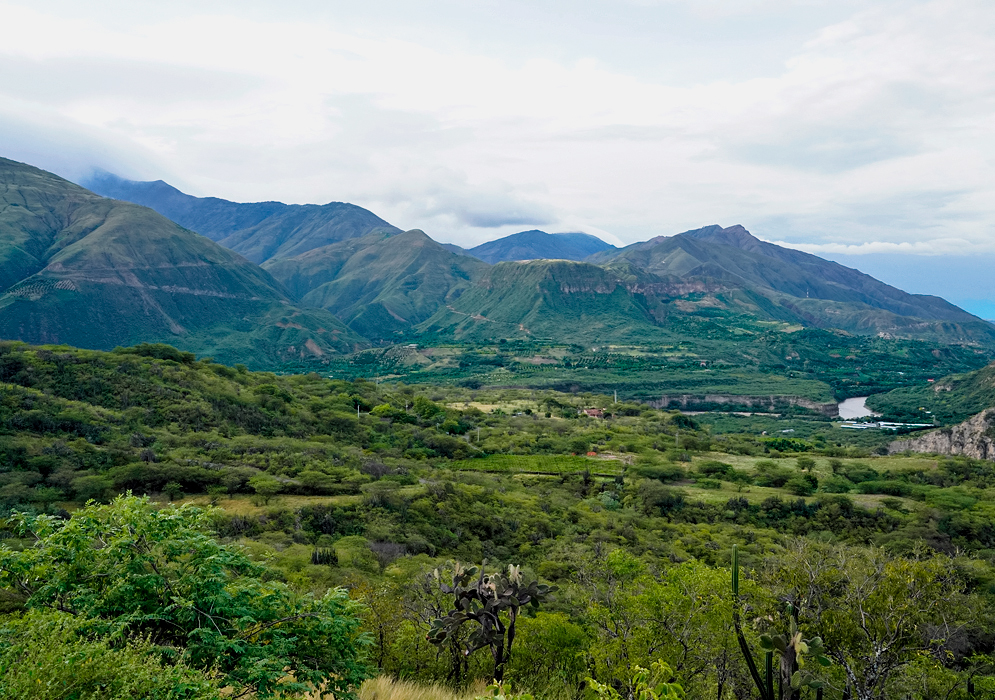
x: 855, y: 408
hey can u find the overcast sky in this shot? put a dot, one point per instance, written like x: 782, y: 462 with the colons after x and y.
x: 839, y: 126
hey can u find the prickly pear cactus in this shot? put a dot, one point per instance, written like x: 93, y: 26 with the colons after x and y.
x: 489, y: 601
x: 797, y: 651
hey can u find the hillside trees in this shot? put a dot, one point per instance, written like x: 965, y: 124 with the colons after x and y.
x: 48, y: 655
x: 878, y: 613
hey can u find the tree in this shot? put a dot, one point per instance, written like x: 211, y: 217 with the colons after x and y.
x: 265, y: 486
x: 143, y: 572
x: 875, y: 612
x: 790, y: 647
x: 649, y: 684
x: 486, y: 601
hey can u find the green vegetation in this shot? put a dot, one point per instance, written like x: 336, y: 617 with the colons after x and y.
x: 336, y: 529
x: 765, y: 370
x: 380, y: 284
x: 947, y: 399
x: 95, y: 272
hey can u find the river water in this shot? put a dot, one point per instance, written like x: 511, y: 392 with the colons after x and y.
x: 855, y: 408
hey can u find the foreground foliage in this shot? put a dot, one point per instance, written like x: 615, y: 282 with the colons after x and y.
x: 137, y: 571
x: 48, y: 655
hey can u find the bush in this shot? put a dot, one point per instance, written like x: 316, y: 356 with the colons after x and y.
x: 836, y: 484
x: 48, y: 655
x: 159, y: 573
x: 802, y: 484
x: 858, y: 472
x: 714, y: 468
x: 770, y: 474
x: 159, y: 351
x: 661, y: 472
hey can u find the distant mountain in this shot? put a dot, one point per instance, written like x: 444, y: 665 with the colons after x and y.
x: 93, y: 272
x: 342, y: 259
x: 259, y: 231
x: 536, y: 245
x: 379, y: 284
x: 735, y: 257
x: 671, y: 286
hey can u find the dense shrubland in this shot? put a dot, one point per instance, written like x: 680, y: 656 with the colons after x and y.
x: 341, y: 508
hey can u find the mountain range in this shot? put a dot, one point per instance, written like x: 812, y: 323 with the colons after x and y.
x: 80, y: 268
x: 259, y: 231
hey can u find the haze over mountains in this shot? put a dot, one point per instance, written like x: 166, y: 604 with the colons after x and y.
x: 96, y: 272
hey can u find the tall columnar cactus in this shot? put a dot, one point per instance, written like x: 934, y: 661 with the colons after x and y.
x: 792, y: 649
x: 487, y: 601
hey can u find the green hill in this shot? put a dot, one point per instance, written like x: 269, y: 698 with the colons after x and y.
x: 949, y: 399
x: 620, y: 302
x: 379, y: 284
x: 258, y: 230
x: 97, y: 273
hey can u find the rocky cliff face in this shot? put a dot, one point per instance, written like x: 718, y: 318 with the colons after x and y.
x: 972, y: 438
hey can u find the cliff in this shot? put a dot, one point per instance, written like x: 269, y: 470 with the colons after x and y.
x: 972, y: 438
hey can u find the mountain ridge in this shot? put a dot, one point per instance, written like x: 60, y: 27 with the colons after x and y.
x: 257, y: 230
x: 379, y: 284
x: 705, y: 252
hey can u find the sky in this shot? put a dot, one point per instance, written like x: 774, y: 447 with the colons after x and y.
x: 856, y: 129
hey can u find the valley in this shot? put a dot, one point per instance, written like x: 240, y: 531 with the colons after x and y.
x: 305, y: 438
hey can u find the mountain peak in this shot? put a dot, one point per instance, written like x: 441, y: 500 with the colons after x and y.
x: 736, y: 236
x: 536, y: 244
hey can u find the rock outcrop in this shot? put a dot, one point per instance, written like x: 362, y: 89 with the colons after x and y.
x: 972, y: 438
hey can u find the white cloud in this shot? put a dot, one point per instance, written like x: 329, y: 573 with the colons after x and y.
x: 870, y: 129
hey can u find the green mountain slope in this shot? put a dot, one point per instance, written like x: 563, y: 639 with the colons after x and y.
x: 948, y: 399
x: 379, y: 284
x: 96, y: 273
x: 622, y: 303
x: 735, y: 256
x: 535, y: 245
x: 258, y: 230
x: 545, y: 299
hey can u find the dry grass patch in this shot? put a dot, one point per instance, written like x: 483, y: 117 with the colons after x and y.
x: 385, y: 688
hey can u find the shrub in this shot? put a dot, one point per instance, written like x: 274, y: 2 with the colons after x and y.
x: 802, y: 484
x: 836, y: 484
x: 770, y: 474
x: 48, y: 655
x: 714, y: 468
x: 159, y: 573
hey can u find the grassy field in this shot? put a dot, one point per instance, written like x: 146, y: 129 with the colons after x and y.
x: 548, y: 464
